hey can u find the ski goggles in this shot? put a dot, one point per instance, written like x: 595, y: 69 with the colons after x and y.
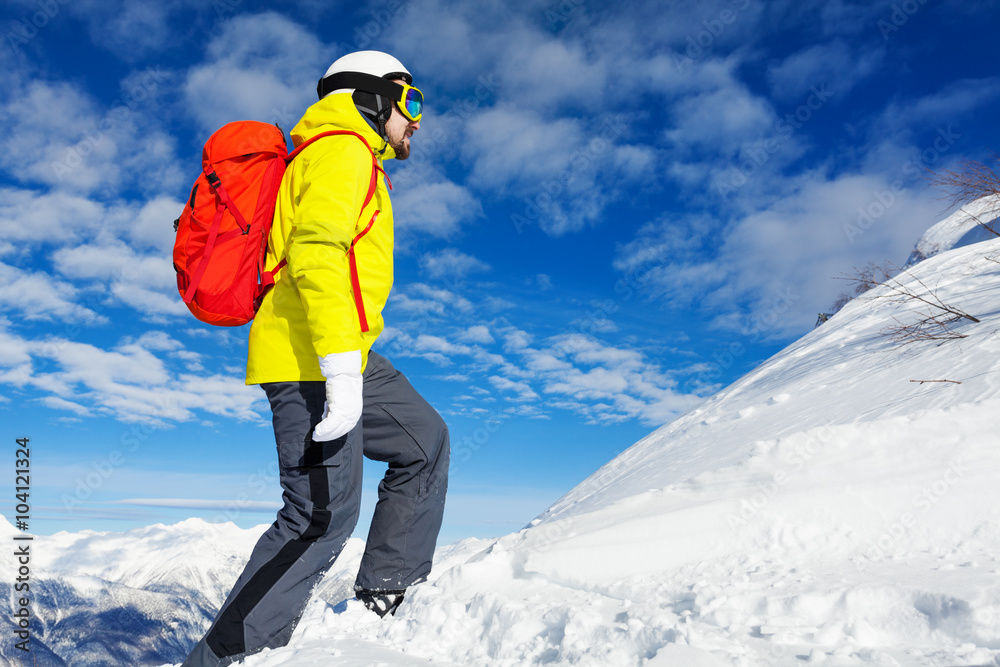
x: 408, y: 99
x: 411, y: 103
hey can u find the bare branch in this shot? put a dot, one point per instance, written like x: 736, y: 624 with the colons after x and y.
x: 972, y: 182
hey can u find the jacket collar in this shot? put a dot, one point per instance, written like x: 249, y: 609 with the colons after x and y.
x: 337, y: 112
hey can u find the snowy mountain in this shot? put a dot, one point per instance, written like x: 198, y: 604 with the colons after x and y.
x: 970, y: 224
x: 838, y: 505
x: 149, y: 591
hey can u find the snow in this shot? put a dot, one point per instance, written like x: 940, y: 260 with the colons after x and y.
x: 190, y: 555
x: 963, y: 227
x: 838, y: 506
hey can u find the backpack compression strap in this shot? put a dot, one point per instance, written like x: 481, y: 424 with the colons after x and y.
x: 225, y: 201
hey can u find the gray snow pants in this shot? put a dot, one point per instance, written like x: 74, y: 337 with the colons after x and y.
x: 322, y: 493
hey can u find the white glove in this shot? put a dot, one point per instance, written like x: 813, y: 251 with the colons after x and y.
x: 342, y: 371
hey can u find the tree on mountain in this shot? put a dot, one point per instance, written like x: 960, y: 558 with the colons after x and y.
x: 973, y: 181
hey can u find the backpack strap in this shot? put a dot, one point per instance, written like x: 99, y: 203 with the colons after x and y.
x: 267, y: 277
x: 220, y: 189
x: 355, y: 281
x: 213, y: 236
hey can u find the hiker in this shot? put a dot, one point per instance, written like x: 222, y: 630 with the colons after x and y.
x: 333, y: 399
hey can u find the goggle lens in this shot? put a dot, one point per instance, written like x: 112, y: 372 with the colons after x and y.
x: 413, y: 102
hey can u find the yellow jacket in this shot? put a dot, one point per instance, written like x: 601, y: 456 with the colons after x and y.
x: 312, y: 312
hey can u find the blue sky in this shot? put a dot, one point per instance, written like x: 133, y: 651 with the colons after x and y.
x: 610, y: 212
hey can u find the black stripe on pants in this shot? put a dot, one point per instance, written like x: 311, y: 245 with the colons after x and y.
x: 227, y: 637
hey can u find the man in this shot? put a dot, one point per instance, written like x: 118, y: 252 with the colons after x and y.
x: 332, y: 398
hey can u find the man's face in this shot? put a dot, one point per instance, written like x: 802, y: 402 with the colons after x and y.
x: 399, y: 128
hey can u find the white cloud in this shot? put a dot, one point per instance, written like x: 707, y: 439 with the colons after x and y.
x: 776, y: 267
x: 543, y: 282
x: 538, y: 361
x: 97, y: 147
x: 14, y: 351
x: 159, y: 306
x: 61, y: 404
x: 511, y: 144
x: 147, y: 283
x: 467, y: 37
x: 438, y: 344
x: 835, y: 65
x: 57, y: 218
x: 721, y: 120
x: 603, y: 382
x: 533, y: 135
x: 443, y: 296
x: 451, y: 263
x: 152, y: 227
x: 132, y: 383
x: 115, y: 261
x: 552, y: 74
x: 407, y: 304
x: 38, y: 296
x: 516, y: 339
x: 477, y: 334
x: 260, y: 67
x: 947, y: 106
x: 195, y: 503
x: 427, y: 202
x: 132, y: 29
x: 159, y: 341
x: 522, y: 390
x: 564, y: 171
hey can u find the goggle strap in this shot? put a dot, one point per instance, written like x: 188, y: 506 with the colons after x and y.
x: 360, y: 81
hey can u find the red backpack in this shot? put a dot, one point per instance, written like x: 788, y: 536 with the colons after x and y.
x: 223, y: 230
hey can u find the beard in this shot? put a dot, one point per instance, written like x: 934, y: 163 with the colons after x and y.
x: 401, y: 146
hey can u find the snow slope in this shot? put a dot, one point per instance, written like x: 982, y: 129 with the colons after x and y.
x: 828, y: 507
x: 838, y: 505
x: 963, y: 227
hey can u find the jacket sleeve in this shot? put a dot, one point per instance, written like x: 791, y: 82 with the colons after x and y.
x: 335, y: 181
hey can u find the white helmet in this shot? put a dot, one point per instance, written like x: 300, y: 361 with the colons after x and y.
x: 374, y: 63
